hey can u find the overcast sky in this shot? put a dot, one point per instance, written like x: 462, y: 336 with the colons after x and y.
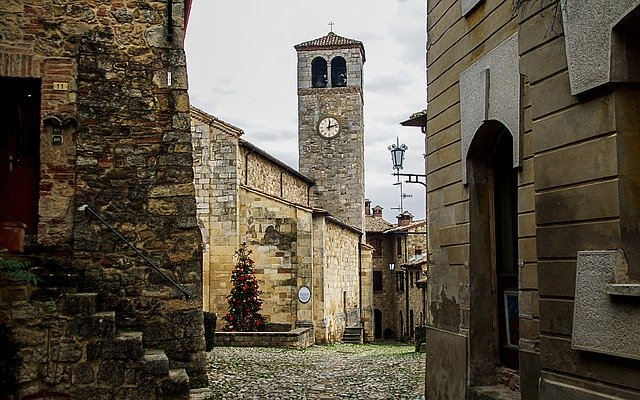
x: 242, y: 69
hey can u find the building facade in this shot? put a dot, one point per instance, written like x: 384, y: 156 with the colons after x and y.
x: 95, y: 119
x: 399, y: 262
x: 531, y: 142
x: 245, y: 195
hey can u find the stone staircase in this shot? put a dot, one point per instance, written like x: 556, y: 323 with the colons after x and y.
x: 352, y: 335
x: 116, y: 362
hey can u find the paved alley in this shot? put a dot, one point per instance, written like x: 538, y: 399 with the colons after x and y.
x: 339, y: 371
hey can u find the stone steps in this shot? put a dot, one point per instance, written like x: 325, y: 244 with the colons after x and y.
x: 119, y: 353
x: 352, y: 335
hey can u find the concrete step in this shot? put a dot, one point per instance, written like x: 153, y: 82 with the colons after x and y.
x: 100, y: 324
x: 497, y: 392
x: 352, y: 335
x: 174, y: 385
x: 125, y: 346
x: 201, y: 394
x: 155, y: 362
x: 79, y: 304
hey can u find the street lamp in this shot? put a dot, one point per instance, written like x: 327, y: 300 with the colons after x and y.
x: 397, y: 157
x: 397, y: 154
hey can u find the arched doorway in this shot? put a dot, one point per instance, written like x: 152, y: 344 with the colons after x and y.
x: 493, y: 253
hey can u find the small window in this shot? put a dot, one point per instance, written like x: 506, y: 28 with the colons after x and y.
x: 377, y: 281
x: 338, y: 72
x: 376, y: 243
x: 399, y: 246
x: 410, y: 278
x: 400, y: 282
x: 319, y: 72
x: 418, y: 251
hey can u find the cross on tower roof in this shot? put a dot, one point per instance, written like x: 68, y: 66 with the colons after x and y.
x: 331, y: 24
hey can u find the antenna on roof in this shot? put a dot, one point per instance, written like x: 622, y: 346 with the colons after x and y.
x: 331, y: 24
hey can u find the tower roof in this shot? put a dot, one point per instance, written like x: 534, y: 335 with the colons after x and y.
x: 331, y: 41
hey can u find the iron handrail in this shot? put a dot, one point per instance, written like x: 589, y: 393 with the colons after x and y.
x: 145, y: 258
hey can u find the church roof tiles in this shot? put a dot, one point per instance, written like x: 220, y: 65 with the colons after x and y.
x: 331, y: 41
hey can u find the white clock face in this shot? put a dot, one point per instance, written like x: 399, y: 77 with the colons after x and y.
x: 329, y: 127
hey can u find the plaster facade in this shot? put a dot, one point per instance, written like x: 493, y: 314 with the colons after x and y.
x: 574, y: 190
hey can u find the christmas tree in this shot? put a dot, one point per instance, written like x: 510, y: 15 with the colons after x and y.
x: 244, y: 301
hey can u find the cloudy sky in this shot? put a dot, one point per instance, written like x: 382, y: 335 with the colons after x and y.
x: 242, y: 69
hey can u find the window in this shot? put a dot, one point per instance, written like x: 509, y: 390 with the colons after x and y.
x: 400, y: 282
x: 377, y: 281
x: 338, y: 72
x: 410, y: 278
x: 376, y: 243
x: 418, y: 251
x: 399, y: 246
x: 319, y: 72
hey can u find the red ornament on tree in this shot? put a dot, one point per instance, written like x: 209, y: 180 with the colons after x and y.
x: 244, y: 301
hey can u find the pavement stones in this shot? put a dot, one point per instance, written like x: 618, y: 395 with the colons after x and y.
x: 328, y: 372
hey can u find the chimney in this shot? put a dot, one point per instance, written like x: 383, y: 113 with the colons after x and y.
x: 404, y: 219
x: 377, y: 212
x: 367, y: 207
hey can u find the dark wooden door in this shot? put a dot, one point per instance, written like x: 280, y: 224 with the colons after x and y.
x: 20, y: 151
x: 506, y: 241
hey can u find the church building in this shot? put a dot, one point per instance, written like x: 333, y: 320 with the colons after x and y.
x: 305, y: 228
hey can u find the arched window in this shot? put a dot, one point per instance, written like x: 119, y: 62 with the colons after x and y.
x: 319, y: 72
x: 338, y: 72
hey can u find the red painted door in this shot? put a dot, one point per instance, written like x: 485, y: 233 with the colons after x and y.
x: 20, y: 151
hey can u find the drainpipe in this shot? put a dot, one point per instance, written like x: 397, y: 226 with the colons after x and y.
x: 360, y: 285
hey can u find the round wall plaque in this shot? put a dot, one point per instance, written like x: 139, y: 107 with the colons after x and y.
x: 304, y: 294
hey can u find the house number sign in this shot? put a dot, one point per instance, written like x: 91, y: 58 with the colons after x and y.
x: 304, y: 294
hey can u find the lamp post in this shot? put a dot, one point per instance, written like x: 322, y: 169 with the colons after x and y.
x: 397, y: 158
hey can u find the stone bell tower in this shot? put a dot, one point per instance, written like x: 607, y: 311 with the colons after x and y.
x: 331, y: 124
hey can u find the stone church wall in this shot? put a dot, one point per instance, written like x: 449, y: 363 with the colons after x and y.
x: 340, y: 284
x: 216, y: 178
x: 278, y: 233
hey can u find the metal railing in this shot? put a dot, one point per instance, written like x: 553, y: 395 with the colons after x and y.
x: 145, y: 258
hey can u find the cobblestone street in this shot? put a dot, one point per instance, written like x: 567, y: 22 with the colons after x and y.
x: 339, y: 371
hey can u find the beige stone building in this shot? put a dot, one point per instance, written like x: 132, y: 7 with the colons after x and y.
x: 533, y: 197
x: 306, y: 229
x: 399, y: 262
x: 246, y: 195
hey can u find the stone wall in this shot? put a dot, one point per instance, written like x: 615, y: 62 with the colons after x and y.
x: 572, y: 145
x: 337, y: 164
x: 129, y: 158
x: 585, y: 184
x: 279, y: 234
x: 337, y: 260
x: 217, y: 179
x: 67, y: 347
x: 456, y: 43
x: 299, y: 339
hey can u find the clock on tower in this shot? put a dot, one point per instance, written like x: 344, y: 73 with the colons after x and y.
x: 330, y: 124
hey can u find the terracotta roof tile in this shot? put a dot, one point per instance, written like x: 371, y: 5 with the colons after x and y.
x: 373, y: 224
x: 331, y: 40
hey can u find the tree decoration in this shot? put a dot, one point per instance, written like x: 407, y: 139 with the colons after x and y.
x: 244, y: 300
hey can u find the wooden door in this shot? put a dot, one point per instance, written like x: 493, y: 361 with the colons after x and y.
x: 20, y: 151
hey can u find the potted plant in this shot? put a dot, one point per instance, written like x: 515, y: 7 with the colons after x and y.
x: 12, y: 236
